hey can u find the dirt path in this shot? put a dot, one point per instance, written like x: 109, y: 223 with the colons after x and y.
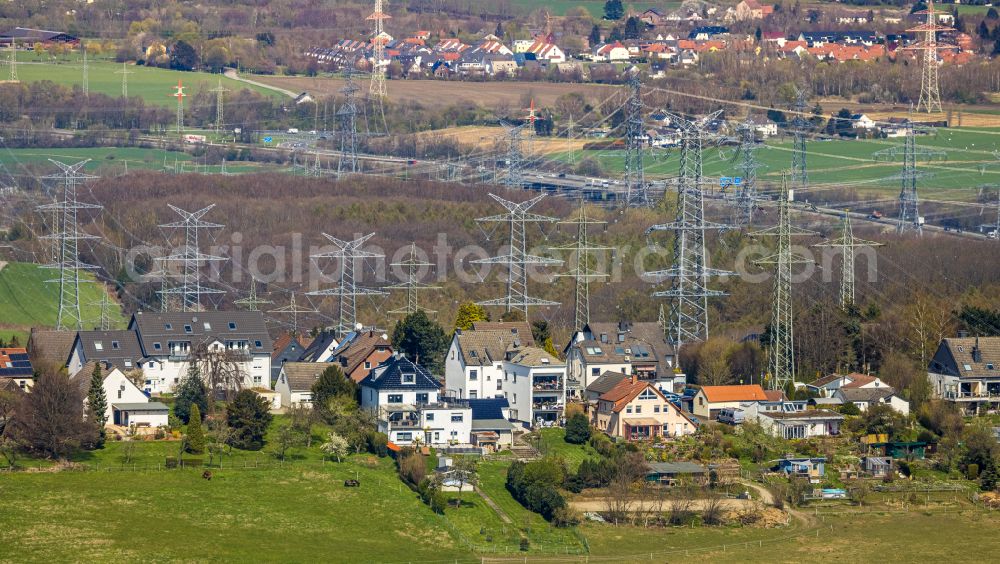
x: 599, y: 504
x: 230, y: 73
x: 767, y: 497
x: 493, y: 504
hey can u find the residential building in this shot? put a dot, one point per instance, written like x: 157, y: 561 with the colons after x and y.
x: 535, y: 385
x: 405, y: 398
x: 295, y: 381
x: 877, y: 466
x: 544, y: 50
x: 801, y: 467
x: 829, y: 384
x: 709, y: 400
x: 491, y: 426
x: 50, y: 347
x: 672, y: 473
x: 360, y: 352
x: 966, y: 370
x: 602, y: 385
x: 15, y: 368
x: 321, y: 348
x: 792, y: 419
x: 474, y: 364
x: 752, y: 10
x: 653, y: 17
x: 287, y: 348
x: 864, y: 398
x: 635, y: 410
x: 610, y: 52
x: 127, y: 405
x: 120, y: 349
x: 169, y: 342
x: 638, y: 348
x: 862, y: 121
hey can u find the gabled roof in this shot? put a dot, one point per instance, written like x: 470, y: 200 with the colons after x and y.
x: 858, y: 381
x: 82, y: 378
x: 751, y: 392
x: 356, y: 349
x: 606, y: 382
x: 318, y: 347
x: 867, y: 395
x: 390, y: 376
x: 285, y: 341
x: 649, y: 333
x: 51, y: 346
x: 487, y: 343
x: 831, y: 378
x: 955, y: 354
x: 115, y: 347
x: 533, y: 356
x: 302, y: 375
x: 14, y: 363
x: 202, y: 327
x: 625, y: 391
x: 8, y: 385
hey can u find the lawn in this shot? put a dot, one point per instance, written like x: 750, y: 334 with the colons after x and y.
x: 27, y: 300
x: 553, y: 442
x: 154, y: 85
x: 113, y: 161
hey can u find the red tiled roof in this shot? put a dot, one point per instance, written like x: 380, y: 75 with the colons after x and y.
x: 752, y: 392
x: 625, y: 391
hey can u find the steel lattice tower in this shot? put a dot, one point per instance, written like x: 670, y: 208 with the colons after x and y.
x: 124, y: 72
x: 180, y: 95
x: 191, y: 258
x: 348, y: 117
x: 909, y: 201
x: 636, y: 190
x: 746, y: 199
x: 515, y: 157
x: 518, y: 259
x: 13, y: 60
x: 800, y: 125
x: 68, y: 239
x: 689, y: 273
x: 252, y: 302
x: 781, y: 351
x: 582, y: 272
x: 349, y: 253
x: 293, y: 310
x: 412, y: 284
x: 220, y: 94
x: 105, y: 305
x: 847, y: 243
x: 377, y: 88
x: 86, y: 73
x: 930, y: 92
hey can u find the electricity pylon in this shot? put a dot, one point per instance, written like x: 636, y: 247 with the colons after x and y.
x: 348, y: 117
x: 252, y: 302
x: 347, y: 291
x: 377, y: 89
x: 746, y: 199
x: 930, y: 92
x: 582, y: 273
x: 124, y: 72
x: 191, y: 258
x: 847, y: 243
x: 689, y: 273
x: 909, y: 202
x: 180, y: 95
x: 518, y: 259
x: 220, y: 94
x: 412, y: 284
x: 294, y: 310
x: 781, y: 351
x: 800, y: 126
x: 636, y: 190
x: 515, y: 157
x: 86, y: 74
x: 67, y: 260
x: 105, y: 305
x: 13, y: 60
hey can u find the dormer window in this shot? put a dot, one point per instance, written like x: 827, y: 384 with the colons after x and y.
x: 187, y: 329
x: 232, y: 326
x: 115, y: 345
x: 168, y: 327
x: 409, y: 378
x: 989, y: 366
x: 157, y: 346
x: 208, y: 326
x: 98, y: 345
x: 260, y: 345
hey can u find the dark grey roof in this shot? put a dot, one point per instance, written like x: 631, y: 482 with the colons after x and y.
x: 677, y: 468
x: 202, y: 327
x: 318, y: 347
x: 389, y: 376
x: 115, y: 347
x: 302, y: 375
x: 488, y: 408
x: 148, y: 406
x: 605, y: 383
x: 867, y: 395
x: 51, y: 346
x: 491, y: 424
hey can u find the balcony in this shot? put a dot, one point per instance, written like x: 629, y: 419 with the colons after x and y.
x: 547, y: 386
x: 403, y: 423
x: 547, y: 406
x: 972, y: 396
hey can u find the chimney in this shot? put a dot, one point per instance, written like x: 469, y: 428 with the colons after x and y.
x: 977, y: 353
x: 963, y: 334
x: 634, y: 379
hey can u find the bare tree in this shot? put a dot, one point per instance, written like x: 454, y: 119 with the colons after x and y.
x: 711, y: 511
x: 50, y: 419
x: 222, y: 370
x: 679, y: 505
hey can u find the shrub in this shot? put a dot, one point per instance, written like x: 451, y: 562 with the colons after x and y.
x: 412, y: 468
x: 972, y: 471
x: 377, y: 443
x: 534, y: 485
x: 577, y: 429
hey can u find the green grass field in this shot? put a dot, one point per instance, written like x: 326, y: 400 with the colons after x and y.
x: 154, y: 85
x: 595, y: 7
x: 27, y: 300
x: 113, y: 161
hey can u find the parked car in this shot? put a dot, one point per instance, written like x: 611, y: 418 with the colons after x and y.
x: 730, y: 415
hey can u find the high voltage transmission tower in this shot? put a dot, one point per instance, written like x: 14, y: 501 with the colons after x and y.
x: 930, y: 92
x: 190, y: 258
x: 377, y: 88
x: 252, y: 302
x: 294, y: 310
x: 86, y: 73
x: 67, y: 235
x: 180, y: 95
x: 746, y: 198
x: 582, y: 273
x: 124, y: 72
x: 515, y: 156
x: 349, y: 253
x: 220, y: 95
x: 909, y: 202
x: 348, y: 117
x: 636, y: 190
x: 781, y: 351
x: 517, y: 259
x: 412, y: 266
x: 105, y: 305
x: 689, y: 273
x: 847, y: 243
x: 800, y: 126
x: 13, y: 60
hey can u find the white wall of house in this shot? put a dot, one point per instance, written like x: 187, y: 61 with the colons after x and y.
x: 445, y: 425
x: 520, y: 393
x: 119, y: 389
x: 372, y: 398
x: 142, y: 418
x: 471, y: 381
x: 577, y: 368
x: 164, y: 372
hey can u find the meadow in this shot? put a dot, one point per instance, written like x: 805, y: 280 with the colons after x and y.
x: 115, y: 161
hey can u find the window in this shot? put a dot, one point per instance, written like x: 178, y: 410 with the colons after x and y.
x: 128, y: 363
x: 967, y: 367
x: 457, y: 417
x: 473, y: 375
x: 595, y: 371
x: 98, y: 345
x: 157, y: 346
x: 638, y: 409
x: 656, y: 408
x: 628, y: 409
x: 473, y: 394
x: 119, y: 394
x: 208, y: 326
x: 257, y: 380
x: 437, y: 436
x: 515, y: 398
x: 168, y: 327
x: 499, y: 384
x: 187, y: 329
x: 115, y: 345
x: 422, y: 397
x: 258, y: 344
x: 395, y: 398
x: 989, y: 366
x: 647, y: 394
x: 404, y: 436
x: 368, y: 364
x: 232, y: 326
x: 429, y: 416
x: 409, y: 378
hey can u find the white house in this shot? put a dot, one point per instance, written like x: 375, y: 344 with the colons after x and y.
x: 535, y: 385
x: 295, y: 382
x: 864, y: 398
x: 829, y: 384
x: 862, y: 121
x: 405, y: 398
x: 610, y: 52
x: 638, y: 348
x: 127, y: 405
x: 474, y: 365
x: 711, y: 399
x: 168, y: 340
x: 792, y: 419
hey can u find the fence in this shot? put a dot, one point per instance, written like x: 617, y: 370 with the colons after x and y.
x: 200, y: 464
